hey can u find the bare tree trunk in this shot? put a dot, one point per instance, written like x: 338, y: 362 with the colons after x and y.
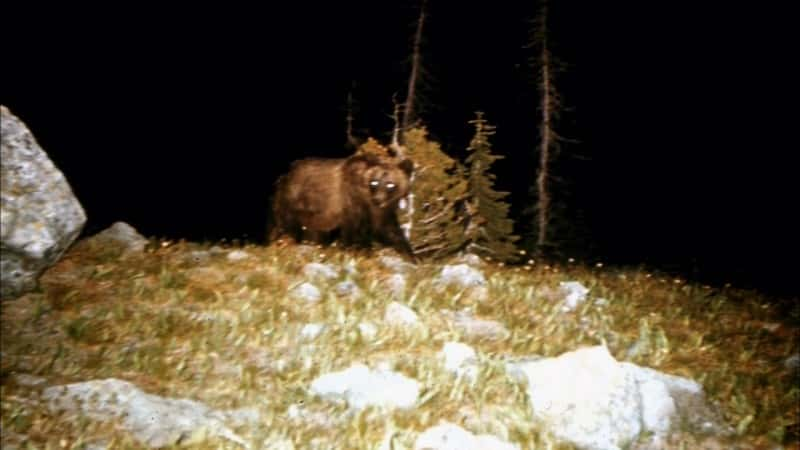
x: 408, y: 115
x: 395, y: 144
x: 549, y: 105
x: 351, y: 140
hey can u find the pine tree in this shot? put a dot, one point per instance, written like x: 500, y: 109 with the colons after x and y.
x: 437, y: 226
x: 489, y: 231
x: 373, y: 147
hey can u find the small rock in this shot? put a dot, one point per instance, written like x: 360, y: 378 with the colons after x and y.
x: 347, y: 288
x: 574, y: 294
x: 448, y: 436
x: 237, y: 255
x: 319, y: 271
x: 474, y: 328
x: 396, y: 283
x: 400, y: 315
x: 360, y: 387
x: 460, y: 275
x: 460, y: 359
x: 311, y: 331
x: 396, y: 264
x: 471, y: 259
x: 368, y: 331
x: 307, y: 292
x: 125, y: 235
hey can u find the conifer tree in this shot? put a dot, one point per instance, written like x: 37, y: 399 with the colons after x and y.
x: 489, y: 231
x: 439, y: 188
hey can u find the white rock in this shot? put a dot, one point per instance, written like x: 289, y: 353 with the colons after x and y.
x: 474, y: 328
x: 574, y: 294
x: 361, y: 387
x: 237, y: 255
x: 471, y: 259
x: 320, y: 271
x: 311, y: 331
x: 307, y: 292
x: 216, y: 250
x: 584, y: 397
x: 395, y: 264
x: 152, y: 420
x: 396, y: 283
x: 448, y: 436
x: 368, y: 330
x: 460, y: 359
x: 298, y: 413
x: 589, y: 399
x: 461, y: 275
x: 657, y: 406
x: 400, y: 315
x: 347, y: 288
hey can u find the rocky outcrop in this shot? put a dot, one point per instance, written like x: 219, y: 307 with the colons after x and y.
x: 39, y: 215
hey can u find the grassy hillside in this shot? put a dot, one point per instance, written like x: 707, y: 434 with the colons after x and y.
x: 184, y: 320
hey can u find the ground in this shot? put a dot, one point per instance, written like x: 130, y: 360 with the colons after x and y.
x: 189, y: 320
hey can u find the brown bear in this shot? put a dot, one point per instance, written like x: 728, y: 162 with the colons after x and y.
x: 357, y: 197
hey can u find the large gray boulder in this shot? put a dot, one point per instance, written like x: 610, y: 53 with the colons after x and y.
x: 589, y: 399
x: 153, y: 420
x: 39, y: 215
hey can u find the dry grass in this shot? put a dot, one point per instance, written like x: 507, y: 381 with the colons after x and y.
x: 182, y: 321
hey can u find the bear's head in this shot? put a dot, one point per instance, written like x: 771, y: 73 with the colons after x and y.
x: 384, y: 181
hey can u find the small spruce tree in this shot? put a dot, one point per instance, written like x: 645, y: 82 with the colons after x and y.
x: 489, y: 231
x: 439, y: 187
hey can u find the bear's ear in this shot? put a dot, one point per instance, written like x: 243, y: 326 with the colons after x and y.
x: 406, y: 166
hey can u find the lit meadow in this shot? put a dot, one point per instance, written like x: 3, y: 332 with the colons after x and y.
x: 181, y: 320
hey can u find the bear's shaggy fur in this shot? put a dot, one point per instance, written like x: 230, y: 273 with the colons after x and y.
x: 356, y: 196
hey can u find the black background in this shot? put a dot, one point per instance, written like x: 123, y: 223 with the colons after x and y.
x: 178, y: 120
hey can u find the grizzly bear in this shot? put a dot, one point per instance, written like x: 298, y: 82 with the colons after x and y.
x: 357, y: 197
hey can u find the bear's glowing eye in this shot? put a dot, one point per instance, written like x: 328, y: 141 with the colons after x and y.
x: 374, y: 183
x: 390, y: 186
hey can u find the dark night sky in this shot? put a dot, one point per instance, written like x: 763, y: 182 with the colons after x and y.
x: 178, y: 121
